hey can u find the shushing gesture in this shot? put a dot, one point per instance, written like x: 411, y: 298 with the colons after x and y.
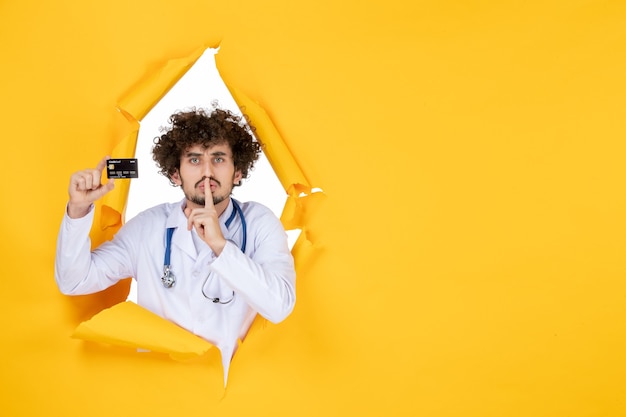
x: 206, y: 221
x: 85, y: 188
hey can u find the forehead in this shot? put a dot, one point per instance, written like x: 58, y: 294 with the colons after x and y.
x: 221, y: 148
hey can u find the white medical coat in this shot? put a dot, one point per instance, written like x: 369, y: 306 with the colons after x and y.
x: 263, y: 279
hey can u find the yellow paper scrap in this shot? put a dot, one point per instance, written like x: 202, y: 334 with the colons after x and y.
x: 128, y: 324
x: 144, y: 96
x: 280, y: 158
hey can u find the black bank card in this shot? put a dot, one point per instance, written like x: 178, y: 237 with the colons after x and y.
x: 122, y: 168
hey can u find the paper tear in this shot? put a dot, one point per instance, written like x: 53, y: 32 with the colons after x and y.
x: 287, y: 170
x: 128, y: 324
x: 147, y: 93
x: 282, y: 161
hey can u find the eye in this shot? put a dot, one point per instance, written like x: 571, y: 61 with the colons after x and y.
x: 219, y: 159
x: 194, y: 160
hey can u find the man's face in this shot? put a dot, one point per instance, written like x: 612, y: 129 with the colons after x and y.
x: 215, y: 163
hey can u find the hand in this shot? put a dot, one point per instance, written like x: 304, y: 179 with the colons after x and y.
x: 85, y: 188
x: 206, y: 221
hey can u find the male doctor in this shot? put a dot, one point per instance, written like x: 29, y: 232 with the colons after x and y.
x: 207, y: 263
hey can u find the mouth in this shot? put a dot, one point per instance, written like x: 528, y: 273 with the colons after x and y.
x: 212, y: 187
x: 212, y: 183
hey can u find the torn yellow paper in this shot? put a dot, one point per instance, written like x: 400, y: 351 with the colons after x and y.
x: 128, y: 324
x: 280, y: 158
x: 147, y: 93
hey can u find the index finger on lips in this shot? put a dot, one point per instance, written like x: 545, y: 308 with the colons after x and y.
x: 208, y: 197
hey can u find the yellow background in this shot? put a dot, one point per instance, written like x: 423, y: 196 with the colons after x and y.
x: 472, y: 237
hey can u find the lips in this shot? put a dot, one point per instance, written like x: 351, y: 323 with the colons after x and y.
x: 213, y: 183
x: 212, y: 186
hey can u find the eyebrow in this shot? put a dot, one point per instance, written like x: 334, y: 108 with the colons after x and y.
x: 216, y: 153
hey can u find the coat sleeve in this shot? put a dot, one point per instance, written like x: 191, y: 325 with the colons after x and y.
x: 78, y: 270
x: 266, y: 279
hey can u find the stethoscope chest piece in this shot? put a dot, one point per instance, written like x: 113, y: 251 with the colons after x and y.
x: 168, y: 279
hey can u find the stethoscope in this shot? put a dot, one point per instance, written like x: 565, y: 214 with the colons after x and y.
x: 169, y: 280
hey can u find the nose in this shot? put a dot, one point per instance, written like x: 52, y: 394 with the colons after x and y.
x: 206, y: 169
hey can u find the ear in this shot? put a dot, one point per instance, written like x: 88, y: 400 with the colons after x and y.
x: 237, y: 178
x: 175, y: 177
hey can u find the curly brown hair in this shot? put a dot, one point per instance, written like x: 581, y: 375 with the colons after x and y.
x: 197, y: 127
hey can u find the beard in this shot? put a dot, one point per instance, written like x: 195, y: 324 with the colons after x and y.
x: 199, y: 198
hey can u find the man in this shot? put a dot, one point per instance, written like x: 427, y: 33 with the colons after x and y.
x: 207, y: 263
